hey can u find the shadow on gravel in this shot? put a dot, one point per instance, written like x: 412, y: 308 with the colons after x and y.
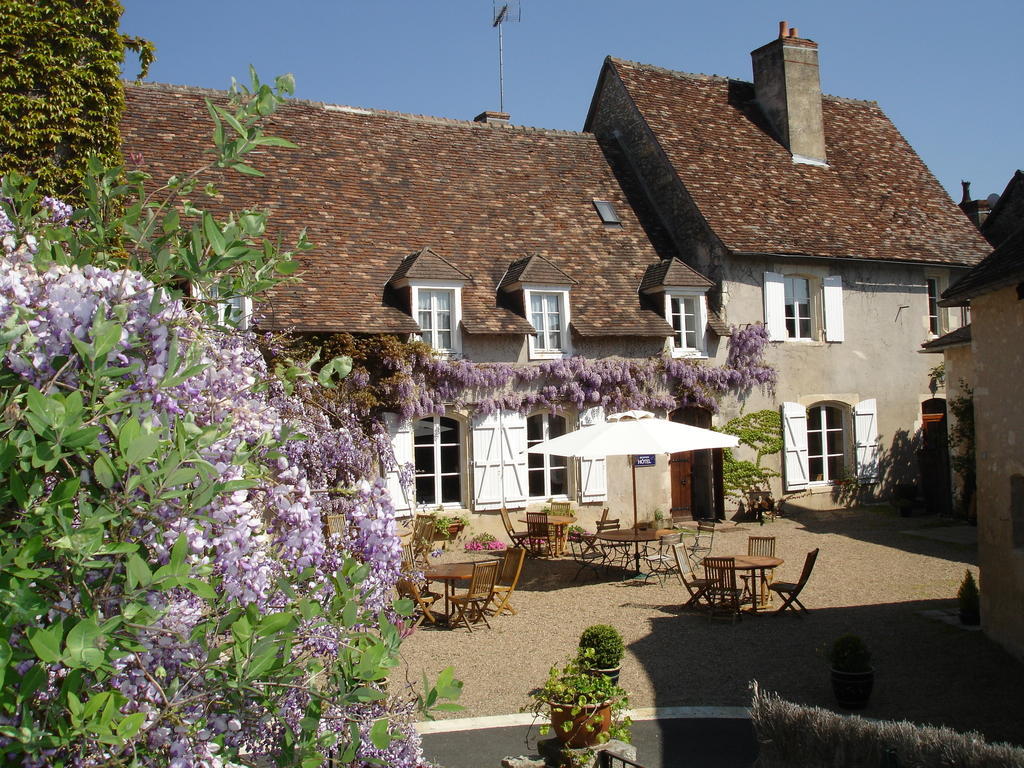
x: 926, y: 671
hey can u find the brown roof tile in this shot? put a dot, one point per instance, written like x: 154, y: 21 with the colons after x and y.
x: 672, y: 273
x: 424, y: 264
x: 1000, y: 269
x: 876, y: 200
x: 535, y: 269
x: 371, y: 187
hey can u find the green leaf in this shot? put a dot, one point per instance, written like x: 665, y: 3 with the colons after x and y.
x: 81, y: 644
x: 139, y: 574
x: 103, y: 470
x: 127, y: 433
x: 141, y: 448
x: 5, y: 659
x: 213, y: 234
x: 130, y: 725
x: 46, y: 643
x: 274, y: 623
x: 248, y: 170
x: 379, y: 734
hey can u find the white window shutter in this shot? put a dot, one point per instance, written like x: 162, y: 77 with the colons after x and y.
x: 865, y: 430
x: 794, y: 435
x: 593, y: 474
x: 487, y: 461
x: 832, y: 290
x: 775, y: 306
x: 513, y: 459
x: 402, y: 496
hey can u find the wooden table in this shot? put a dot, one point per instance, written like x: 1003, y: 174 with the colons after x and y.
x: 635, y: 535
x: 761, y: 564
x: 561, y: 524
x: 449, y: 573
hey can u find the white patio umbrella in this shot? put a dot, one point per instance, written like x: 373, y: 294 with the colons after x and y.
x: 634, y: 433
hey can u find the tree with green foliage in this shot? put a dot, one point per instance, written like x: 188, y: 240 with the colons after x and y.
x: 761, y: 431
x: 61, y: 97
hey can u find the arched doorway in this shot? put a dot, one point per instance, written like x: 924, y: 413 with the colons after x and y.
x: 933, y: 458
x: 696, y: 476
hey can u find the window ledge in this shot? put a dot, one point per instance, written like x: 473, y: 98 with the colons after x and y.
x: 693, y: 354
x: 548, y: 355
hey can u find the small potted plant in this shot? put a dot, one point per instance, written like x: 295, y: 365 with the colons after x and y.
x: 852, y: 673
x: 967, y: 595
x: 449, y: 526
x: 584, y: 709
x: 601, y: 650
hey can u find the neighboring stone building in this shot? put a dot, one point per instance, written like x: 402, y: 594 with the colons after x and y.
x: 996, y: 217
x: 995, y: 291
x: 813, y: 215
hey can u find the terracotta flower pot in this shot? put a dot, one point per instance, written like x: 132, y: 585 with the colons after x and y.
x: 584, y: 729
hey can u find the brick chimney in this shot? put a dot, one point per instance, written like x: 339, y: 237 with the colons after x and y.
x: 494, y: 118
x: 788, y: 89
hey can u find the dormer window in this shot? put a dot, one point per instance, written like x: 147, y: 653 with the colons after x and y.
x: 607, y: 212
x: 438, y: 313
x: 686, y: 311
x: 549, y: 316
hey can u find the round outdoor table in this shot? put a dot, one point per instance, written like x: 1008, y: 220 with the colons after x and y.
x: 635, y: 535
x: 449, y: 573
x: 755, y: 564
x: 561, y: 523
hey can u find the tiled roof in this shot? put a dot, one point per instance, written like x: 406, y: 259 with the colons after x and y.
x: 716, y: 324
x: 424, y: 264
x: 535, y: 269
x: 372, y: 187
x: 1001, y: 268
x: 672, y: 273
x: 954, y: 338
x: 876, y: 200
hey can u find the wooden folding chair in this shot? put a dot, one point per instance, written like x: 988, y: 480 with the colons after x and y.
x: 473, y: 602
x: 722, y: 593
x: 560, y: 508
x: 540, y: 536
x: 695, y: 585
x: 423, y: 599
x: 763, y: 546
x: 335, y: 525
x: 422, y: 536
x: 508, y: 578
x: 790, y: 591
x: 606, y: 523
x: 517, y: 537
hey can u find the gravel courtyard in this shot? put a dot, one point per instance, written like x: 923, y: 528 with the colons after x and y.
x: 872, y: 577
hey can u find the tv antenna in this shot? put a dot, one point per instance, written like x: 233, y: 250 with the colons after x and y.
x: 504, y: 11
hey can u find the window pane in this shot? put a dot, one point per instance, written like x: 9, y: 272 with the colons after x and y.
x: 537, y: 484
x: 450, y: 458
x: 424, y: 458
x: 423, y: 431
x: 449, y: 430
x: 556, y: 428
x: 813, y: 443
x: 425, y: 491
x: 835, y: 441
x: 559, y: 486
x: 424, y: 300
x: 536, y: 303
x: 814, y: 466
x: 535, y: 461
x: 426, y: 325
x: 535, y: 429
x: 836, y: 467
x: 451, y: 489
x: 443, y: 340
x: 814, y: 418
x: 805, y: 329
x: 443, y: 300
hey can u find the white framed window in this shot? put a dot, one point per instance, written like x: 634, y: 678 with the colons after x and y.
x: 797, y: 307
x: 437, y: 308
x: 547, y: 476
x: 547, y: 308
x: 687, y: 314
x: 826, y: 443
x: 437, y: 457
x: 235, y: 311
x: 934, y: 315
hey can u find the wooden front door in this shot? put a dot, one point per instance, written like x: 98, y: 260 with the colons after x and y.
x: 681, y: 477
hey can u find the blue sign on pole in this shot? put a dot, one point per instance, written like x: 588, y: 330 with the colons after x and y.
x: 644, y: 460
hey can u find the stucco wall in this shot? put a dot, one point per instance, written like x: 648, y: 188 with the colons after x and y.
x: 998, y: 349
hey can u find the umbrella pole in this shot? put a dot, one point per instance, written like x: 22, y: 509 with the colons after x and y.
x: 636, y: 542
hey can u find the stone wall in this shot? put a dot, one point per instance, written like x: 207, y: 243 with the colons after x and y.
x: 998, y: 347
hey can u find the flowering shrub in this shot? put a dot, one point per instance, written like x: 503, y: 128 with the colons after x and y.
x: 169, y: 598
x: 484, y: 542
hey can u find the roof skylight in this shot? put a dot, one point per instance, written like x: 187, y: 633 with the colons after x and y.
x: 607, y: 212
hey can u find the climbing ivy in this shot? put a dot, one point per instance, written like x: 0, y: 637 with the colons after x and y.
x: 61, y: 97
x: 762, y: 431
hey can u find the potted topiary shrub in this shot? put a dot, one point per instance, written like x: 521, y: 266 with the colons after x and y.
x: 601, y: 649
x: 852, y: 673
x: 584, y: 709
x: 967, y: 595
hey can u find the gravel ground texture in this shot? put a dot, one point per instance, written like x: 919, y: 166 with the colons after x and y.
x: 872, y: 578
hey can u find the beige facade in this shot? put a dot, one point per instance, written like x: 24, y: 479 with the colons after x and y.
x: 998, y: 352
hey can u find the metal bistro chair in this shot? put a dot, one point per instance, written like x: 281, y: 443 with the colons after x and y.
x: 702, y: 542
x: 517, y: 537
x: 696, y: 586
x: 723, y: 595
x: 473, y: 602
x: 617, y: 553
x: 508, y: 578
x: 661, y: 561
x: 585, y: 551
x: 790, y: 591
x: 540, y: 541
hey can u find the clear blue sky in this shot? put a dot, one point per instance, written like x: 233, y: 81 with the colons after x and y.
x: 949, y: 74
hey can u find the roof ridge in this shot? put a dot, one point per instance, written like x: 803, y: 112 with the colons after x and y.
x: 724, y: 79
x: 370, y: 111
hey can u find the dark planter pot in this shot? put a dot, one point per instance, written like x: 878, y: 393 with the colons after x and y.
x: 584, y: 729
x: 970, y: 618
x: 612, y: 674
x: 852, y: 689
